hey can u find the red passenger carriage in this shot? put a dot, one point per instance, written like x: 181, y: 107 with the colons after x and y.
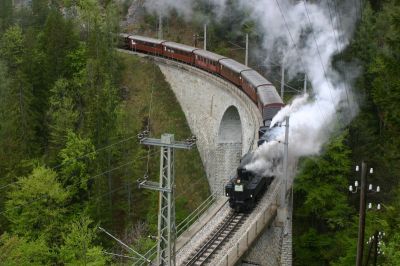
x: 251, y: 81
x: 145, y: 44
x: 208, y: 60
x: 269, y: 102
x: 179, y: 52
x: 231, y: 70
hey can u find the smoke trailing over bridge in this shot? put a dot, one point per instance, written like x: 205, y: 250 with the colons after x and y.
x: 305, y: 37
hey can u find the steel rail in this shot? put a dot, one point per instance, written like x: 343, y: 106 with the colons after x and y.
x: 227, y: 227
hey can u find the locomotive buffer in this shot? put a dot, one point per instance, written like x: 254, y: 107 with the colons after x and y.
x: 166, y: 217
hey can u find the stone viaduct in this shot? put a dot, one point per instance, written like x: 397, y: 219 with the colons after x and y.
x: 225, y: 122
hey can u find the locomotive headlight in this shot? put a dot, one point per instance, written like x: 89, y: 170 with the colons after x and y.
x: 238, y: 181
x: 251, y: 196
x: 227, y: 194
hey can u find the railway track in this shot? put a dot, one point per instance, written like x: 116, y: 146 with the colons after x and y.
x: 216, y: 239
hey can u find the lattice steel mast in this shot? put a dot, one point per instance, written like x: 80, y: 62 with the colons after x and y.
x: 166, y: 187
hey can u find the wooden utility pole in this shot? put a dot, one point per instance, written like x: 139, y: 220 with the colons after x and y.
x: 361, y: 221
x: 282, y: 80
x: 205, y: 37
x: 160, y: 27
x: 246, y: 60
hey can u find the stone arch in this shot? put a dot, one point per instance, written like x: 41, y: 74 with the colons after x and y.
x: 228, y: 149
x: 230, y: 128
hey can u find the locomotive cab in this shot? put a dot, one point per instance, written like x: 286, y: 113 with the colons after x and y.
x: 246, y: 187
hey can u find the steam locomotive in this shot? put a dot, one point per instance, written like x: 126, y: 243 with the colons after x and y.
x: 246, y: 187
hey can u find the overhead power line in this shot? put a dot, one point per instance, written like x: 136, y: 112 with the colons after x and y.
x: 297, y: 51
x: 338, y: 49
x: 318, y: 51
x: 80, y: 182
x: 78, y: 158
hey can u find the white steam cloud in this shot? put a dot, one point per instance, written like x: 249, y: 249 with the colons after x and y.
x: 305, y: 36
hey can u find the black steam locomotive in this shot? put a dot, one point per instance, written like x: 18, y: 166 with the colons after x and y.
x: 246, y: 187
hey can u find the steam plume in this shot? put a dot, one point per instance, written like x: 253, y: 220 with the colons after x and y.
x: 305, y: 36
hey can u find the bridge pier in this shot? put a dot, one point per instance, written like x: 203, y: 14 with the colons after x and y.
x: 222, y: 117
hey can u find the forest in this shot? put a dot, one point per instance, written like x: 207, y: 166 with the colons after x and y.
x: 71, y: 107
x: 325, y: 212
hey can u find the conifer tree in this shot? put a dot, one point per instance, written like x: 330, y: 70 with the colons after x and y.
x: 16, y: 250
x: 36, y: 205
x: 6, y: 14
x: 18, y: 119
x: 76, y: 158
x: 62, y: 115
x: 78, y: 247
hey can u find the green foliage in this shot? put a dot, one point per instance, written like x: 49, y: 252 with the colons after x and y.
x: 392, y: 250
x: 6, y: 14
x: 64, y: 93
x: 76, y: 157
x: 391, y: 241
x: 78, y: 247
x: 57, y: 41
x: 16, y: 251
x: 375, y: 132
x: 321, y: 211
x: 63, y: 116
x: 36, y: 205
x: 320, y: 183
x: 40, y: 9
x: 18, y: 119
x: 12, y: 47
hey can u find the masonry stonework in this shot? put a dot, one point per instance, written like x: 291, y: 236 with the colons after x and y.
x: 222, y: 117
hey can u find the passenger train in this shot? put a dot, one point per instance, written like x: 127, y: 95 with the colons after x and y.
x: 245, y: 187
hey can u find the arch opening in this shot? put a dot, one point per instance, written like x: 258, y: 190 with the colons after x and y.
x: 230, y: 128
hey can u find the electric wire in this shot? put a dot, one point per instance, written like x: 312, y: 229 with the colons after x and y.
x: 338, y: 50
x: 340, y: 25
x: 297, y: 51
x: 286, y: 85
x: 77, y: 183
x: 317, y: 47
x: 149, y: 117
x: 78, y: 158
x: 120, y: 255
